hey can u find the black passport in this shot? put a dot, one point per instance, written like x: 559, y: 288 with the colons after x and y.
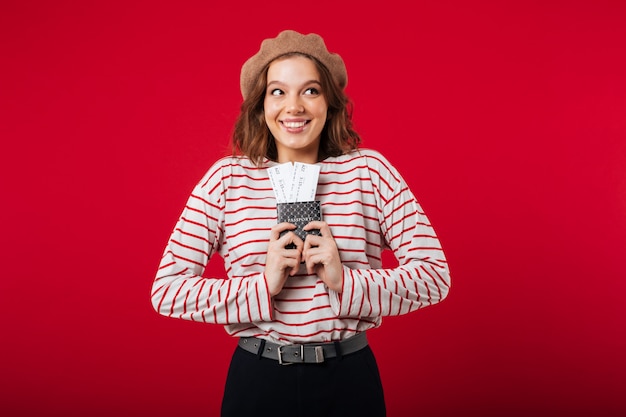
x: 299, y: 213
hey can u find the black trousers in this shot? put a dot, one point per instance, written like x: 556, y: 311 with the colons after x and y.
x: 346, y: 386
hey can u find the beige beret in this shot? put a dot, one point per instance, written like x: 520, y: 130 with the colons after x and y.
x: 289, y: 41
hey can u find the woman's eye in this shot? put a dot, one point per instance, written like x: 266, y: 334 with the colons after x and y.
x: 311, y: 91
x: 276, y: 92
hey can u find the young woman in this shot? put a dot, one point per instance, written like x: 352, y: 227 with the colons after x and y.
x: 310, y: 305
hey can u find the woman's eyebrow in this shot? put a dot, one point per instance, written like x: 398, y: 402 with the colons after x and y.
x: 304, y: 83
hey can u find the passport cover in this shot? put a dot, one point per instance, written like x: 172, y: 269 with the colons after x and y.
x: 299, y: 213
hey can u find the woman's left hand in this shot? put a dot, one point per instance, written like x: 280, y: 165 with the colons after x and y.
x: 321, y: 256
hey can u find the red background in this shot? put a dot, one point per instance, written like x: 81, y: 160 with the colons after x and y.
x: 508, y: 120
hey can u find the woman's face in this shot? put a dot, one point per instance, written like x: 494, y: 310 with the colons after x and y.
x: 295, y: 109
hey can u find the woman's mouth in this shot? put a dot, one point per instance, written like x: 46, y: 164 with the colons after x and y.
x: 294, y: 126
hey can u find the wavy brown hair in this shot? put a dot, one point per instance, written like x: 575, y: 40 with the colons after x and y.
x: 252, y: 138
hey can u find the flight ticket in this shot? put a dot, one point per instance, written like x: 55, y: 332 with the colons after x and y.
x: 294, y: 182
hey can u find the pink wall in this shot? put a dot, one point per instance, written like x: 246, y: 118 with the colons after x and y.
x: 509, y: 123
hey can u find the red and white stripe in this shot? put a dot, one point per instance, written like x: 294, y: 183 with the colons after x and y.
x: 368, y: 207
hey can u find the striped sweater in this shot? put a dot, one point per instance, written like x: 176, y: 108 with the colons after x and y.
x: 368, y: 207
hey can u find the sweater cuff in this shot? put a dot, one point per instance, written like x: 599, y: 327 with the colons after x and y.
x: 264, y: 299
x: 342, y: 303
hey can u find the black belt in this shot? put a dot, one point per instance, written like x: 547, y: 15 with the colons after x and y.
x: 306, y: 353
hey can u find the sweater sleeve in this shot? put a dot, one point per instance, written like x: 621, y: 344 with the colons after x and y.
x: 422, y: 277
x: 180, y: 290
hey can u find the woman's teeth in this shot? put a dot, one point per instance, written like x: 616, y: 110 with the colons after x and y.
x: 294, y: 125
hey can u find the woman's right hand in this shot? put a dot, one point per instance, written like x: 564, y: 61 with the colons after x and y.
x: 282, y: 262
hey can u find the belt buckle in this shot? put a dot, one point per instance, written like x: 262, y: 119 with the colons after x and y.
x: 319, y: 355
x: 284, y: 362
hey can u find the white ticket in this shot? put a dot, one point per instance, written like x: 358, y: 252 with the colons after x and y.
x: 304, y: 183
x: 294, y: 183
x: 281, y: 177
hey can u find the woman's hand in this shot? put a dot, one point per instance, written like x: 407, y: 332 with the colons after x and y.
x: 322, y: 256
x: 281, y: 262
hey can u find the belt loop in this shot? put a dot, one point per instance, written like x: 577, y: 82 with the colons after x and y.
x: 338, y: 349
x: 261, y: 347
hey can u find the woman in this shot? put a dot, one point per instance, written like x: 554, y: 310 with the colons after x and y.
x: 309, y: 306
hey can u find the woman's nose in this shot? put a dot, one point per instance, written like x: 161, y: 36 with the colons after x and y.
x: 294, y: 105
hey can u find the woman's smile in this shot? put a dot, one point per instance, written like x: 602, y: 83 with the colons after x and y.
x: 294, y: 126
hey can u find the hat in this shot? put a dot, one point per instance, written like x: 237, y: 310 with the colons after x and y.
x: 289, y: 41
